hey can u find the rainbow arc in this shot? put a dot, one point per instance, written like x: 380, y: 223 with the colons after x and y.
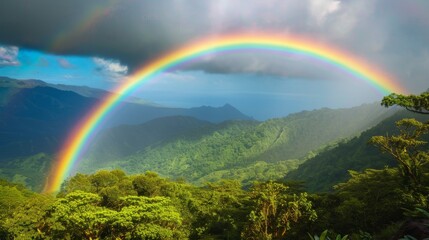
x: 342, y: 61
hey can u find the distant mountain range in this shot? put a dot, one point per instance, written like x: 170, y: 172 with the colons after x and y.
x: 199, y: 151
x: 81, y: 90
x: 35, y: 117
x: 197, y: 144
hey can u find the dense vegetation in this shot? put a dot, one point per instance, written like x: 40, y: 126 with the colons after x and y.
x: 36, y: 117
x: 245, y: 150
x: 112, y: 205
x: 371, y: 204
x: 330, y: 166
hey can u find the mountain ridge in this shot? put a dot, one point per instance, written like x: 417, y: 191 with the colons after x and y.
x: 235, y: 148
x: 81, y: 90
x: 331, y: 166
x: 201, y: 144
x: 35, y: 118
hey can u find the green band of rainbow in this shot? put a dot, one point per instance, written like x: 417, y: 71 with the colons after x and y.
x: 77, y: 140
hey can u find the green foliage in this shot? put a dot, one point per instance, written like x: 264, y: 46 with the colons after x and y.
x: 219, y: 210
x: 330, y: 166
x: 324, y: 236
x: 27, y: 220
x: 275, y: 211
x: 149, y: 184
x: 147, y: 206
x: 371, y: 200
x: 242, y: 150
x: 114, y: 205
x: 409, y: 146
x: 212, y: 210
x: 257, y: 171
x: 29, y: 171
x: 406, y: 148
x: 414, y: 103
x: 10, y: 198
x: 200, y: 151
x: 80, y: 215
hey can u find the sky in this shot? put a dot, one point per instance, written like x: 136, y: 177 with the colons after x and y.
x: 99, y: 43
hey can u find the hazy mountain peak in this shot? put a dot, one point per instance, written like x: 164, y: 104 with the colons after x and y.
x: 228, y: 106
x: 9, y: 82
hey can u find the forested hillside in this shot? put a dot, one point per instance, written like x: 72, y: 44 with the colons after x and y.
x: 36, y: 118
x: 387, y: 203
x: 245, y: 150
x: 330, y: 166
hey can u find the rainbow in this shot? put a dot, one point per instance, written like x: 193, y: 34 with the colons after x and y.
x: 90, y: 17
x: 80, y: 136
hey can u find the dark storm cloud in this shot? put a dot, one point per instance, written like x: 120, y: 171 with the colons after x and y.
x: 389, y: 33
x: 133, y: 31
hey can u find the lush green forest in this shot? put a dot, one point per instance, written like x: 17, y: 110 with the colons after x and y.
x: 199, y: 151
x: 330, y: 166
x: 36, y: 117
x: 386, y: 203
x: 196, y: 145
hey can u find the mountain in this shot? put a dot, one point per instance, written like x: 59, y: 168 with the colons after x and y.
x: 133, y: 114
x: 199, y: 144
x: 125, y: 140
x: 244, y: 150
x: 331, y: 166
x: 81, y: 90
x: 36, y: 119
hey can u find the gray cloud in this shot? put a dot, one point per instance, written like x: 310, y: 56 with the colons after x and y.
x: 112, y: 69
x: 393, y: 34
x: 9, y: 56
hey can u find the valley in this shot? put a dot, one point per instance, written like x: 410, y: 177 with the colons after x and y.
x: 198, y: 144
x: 202, y: 167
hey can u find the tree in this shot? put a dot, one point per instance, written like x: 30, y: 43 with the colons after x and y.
x: 28, y: 220
x: 80, y: 215
x: 371, y: 201
x: 218, y: 209
x: 110, y: 185
x: 413, y: 103
x: 148, y: 218
x: 149, y: 184
x: 10, y: 198
x: 408, y: 147
x: 275, y: 210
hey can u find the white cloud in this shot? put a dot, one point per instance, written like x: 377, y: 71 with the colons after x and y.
x: 9, y: 56
x: 320, y: 9
x: 111, y: 68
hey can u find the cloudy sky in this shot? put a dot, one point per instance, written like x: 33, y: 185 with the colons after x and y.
x: 99, y: 43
